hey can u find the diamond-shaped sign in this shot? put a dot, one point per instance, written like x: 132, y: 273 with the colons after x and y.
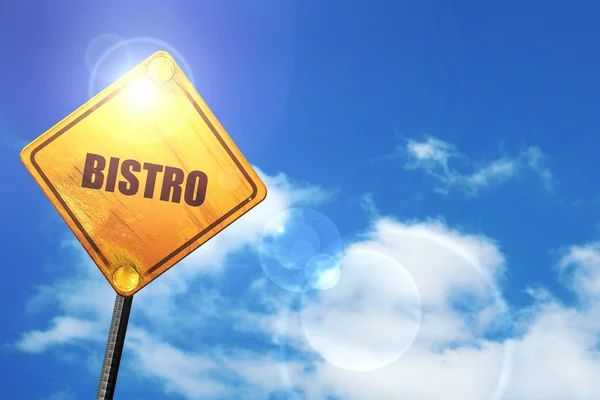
x: 143, y: 174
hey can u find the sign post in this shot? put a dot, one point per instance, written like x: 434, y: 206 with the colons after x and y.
x: 114, y: 348
x: 143, y: 174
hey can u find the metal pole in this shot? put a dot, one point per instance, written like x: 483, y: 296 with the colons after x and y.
x: 114, y: 348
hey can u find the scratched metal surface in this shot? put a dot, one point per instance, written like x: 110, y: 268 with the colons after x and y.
x: 114, y: 348
x: 169, y: 125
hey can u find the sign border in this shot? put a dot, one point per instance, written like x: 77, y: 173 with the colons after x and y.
x: 195, y: 238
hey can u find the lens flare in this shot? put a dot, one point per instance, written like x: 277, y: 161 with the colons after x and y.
x: 300, y: 249
x: 369, y: 319
x: 322, y: 271
x: 364, y: 322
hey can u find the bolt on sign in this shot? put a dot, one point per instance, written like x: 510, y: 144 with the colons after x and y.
x: 143, y: 174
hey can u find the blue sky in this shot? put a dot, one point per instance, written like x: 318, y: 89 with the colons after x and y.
x: 452, y: 145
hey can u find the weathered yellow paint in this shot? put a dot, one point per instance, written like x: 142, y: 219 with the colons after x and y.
x: 153, y: 114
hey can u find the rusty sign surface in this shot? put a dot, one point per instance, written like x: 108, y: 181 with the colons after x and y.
x: 143, y: 173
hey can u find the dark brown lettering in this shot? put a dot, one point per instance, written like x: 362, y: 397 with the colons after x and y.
x: 95, y: 172
x: 130, y: 186
x: 153, y: 170
x: 195, y: 188
x: 172, y: 179
x: 111, y: 176
x: 93, y: 178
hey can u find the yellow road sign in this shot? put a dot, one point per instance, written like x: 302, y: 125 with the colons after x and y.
x: 143, y: 174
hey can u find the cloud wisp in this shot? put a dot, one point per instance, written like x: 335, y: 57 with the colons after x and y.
x: 453, y: 170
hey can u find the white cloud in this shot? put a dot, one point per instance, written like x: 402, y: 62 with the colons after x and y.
x: 435, y: 157
x: 580, y: 267
x: 368, y: 319
x: 460, y: 350
x: 433, y: 151
x: 185, y: 374
x: 63, y: 330
x: 557, y: 358
x: 368, y: 204
x: 554, y: 354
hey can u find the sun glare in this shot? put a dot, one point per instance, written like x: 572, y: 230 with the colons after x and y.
x: 141, y: 92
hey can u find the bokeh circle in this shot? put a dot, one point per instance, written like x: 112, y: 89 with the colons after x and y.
x: 300, y: 249
x: 343, y: 324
